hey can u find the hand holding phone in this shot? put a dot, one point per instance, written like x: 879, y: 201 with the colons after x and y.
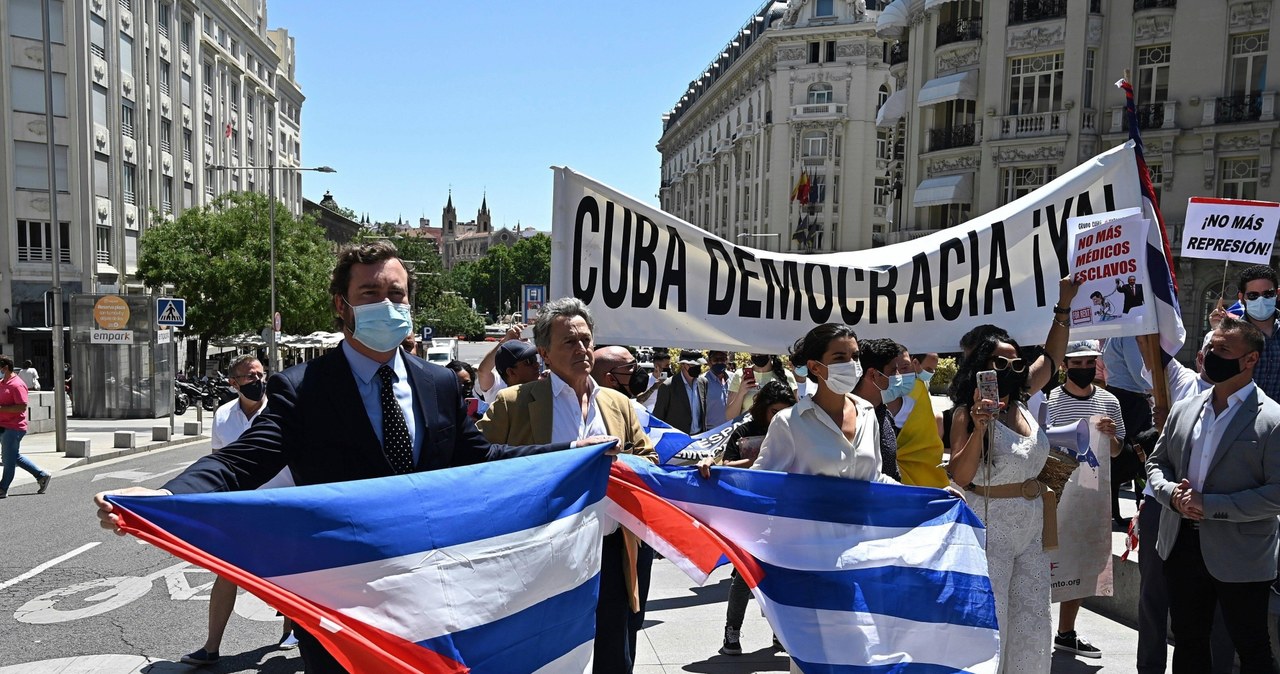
x: 749, y: 377
x: 989, y: 389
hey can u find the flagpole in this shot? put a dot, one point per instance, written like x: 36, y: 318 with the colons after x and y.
x: 1149, y: 345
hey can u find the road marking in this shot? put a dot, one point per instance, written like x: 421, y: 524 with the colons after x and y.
x: 53, y: 562
x: 136, y: 476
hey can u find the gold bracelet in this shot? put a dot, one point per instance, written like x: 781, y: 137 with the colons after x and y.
x: 1059, y: 323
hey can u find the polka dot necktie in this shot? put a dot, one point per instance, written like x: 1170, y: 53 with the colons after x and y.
x: 396, y: 444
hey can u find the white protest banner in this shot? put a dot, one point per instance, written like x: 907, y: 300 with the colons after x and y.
x: 1108, y: 255
x: 653, y: 279
x: 1230, y: 229
x: 1081, y: 566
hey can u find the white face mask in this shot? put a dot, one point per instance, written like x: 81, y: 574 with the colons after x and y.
x: 843, y: 377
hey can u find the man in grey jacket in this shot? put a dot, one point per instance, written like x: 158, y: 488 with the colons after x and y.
x: 1216, y: 470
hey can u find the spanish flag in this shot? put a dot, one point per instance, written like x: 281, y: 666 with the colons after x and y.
x: 801, y: 190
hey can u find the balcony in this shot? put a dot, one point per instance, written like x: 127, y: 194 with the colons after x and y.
x: 960, y: 30
x: 1150, y: 116
x: 1158, y: 115
x: 898, y: 53
x: 1033, y: 125
x: 817, y: 110
x: 962, y: 135
x: 1027, y: 11
x: 1232, y: 109
x: 1154, y: 4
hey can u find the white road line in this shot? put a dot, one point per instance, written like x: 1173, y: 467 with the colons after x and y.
x: 53, y: 562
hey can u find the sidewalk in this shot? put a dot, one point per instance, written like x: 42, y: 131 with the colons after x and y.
x: 42, y: 447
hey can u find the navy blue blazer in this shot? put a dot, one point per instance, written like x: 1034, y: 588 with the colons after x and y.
x: 315, y: 423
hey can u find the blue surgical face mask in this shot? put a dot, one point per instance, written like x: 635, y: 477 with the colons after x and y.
x: 924, y: 376
x: 1260, y: 309
x: 381, y: 326
x: 899, y: 386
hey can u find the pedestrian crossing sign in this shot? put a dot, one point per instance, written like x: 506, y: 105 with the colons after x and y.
x: 171, y: 311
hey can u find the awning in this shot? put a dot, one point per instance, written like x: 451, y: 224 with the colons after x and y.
x: 942, y: 89
x: 955, y: 189
x: 894, y: 109
x: 893, y: 20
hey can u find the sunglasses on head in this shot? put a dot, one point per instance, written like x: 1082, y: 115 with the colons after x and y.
x: 1002, y: 363
x: 1253, y: 294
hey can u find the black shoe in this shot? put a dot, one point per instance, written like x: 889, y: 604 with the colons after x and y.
x: 1069, y: 642
x: 731, y: 644
x: 200, y: 657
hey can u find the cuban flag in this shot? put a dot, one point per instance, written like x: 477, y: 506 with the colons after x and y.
x: 678, y: 448
x: 853, y: 576
x: 1164, y: 285
x: 486, y: 568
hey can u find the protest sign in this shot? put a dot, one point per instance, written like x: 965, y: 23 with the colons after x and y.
x: 1108, y: 257
x: 653, y: 279
x: 1081, y: 566
x: 1230, y: 229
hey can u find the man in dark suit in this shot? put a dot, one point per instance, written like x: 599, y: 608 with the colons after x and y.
x: 1216, y: 471
x: 682, y: 399
x: 363, y: 410
x: 1132, y: 292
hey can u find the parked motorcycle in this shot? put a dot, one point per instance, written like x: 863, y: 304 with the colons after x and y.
x: 185, y: 394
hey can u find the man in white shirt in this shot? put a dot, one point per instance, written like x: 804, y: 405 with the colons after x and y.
x: 29, y: 376
x: 1216, y: 469
x: 249, y: 379
x: 511, y: 363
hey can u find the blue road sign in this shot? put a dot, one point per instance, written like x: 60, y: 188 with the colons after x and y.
x: 428, y: 333
x: 171, y: 311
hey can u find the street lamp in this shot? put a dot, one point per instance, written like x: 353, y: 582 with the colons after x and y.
x: 271, y: 189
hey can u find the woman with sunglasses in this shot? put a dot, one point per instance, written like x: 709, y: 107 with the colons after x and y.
x: 1000, y: 468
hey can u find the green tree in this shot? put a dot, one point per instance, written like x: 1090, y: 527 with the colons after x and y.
x: 496, y: 278
x: 451, y: 316
x: 218, y: 258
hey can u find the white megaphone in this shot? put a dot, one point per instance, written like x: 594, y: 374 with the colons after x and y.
x: 1074, y: 437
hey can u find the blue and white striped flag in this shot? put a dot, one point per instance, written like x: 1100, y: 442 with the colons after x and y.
x: 678, y: 448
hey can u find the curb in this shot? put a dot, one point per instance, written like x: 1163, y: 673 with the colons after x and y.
x: 150, y: 447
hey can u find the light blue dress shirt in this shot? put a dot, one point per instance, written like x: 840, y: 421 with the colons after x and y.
x: 365, y: 370
x: 1123, y: 360
x: 695, y: 410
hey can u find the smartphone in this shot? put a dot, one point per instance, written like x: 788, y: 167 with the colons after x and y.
x: 527, y: 333
x: 749, y: 376
x: 989, y: 388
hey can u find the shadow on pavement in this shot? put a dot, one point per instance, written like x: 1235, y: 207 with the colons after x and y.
x: 766, y: 659
x: 1065, y: 663
x: 707, y: 594
x: 277, y: 662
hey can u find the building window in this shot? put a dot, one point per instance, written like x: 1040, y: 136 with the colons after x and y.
x: 830, y: 51
x: 882, y: 143
x: 101, y: 175
x: 186, y: 145
x: 31, y: 166
x: 957, y: 127
x: 186, y: 36
x: 815, y: 52
x: 24, y: 20
x: 207, y: 80
x: 126, y: 5
x: 166, y: 195
x: 824, y: 8
x: 208, y: 128
x: 234, y: 95
x: 188, y: 195
x: 27, y: 91
x: 1155, y: 171
x: 820, y: 93
x: 814, y: 144
x: 1090, y: 59
x: 98, y: 105
x: 209, y: 181
x: 126, y: 54
x: 97, y: 36
x: 1153, y: 74
x: 1035, y: 84
x: 166, y: 135
x: 1021, y: 181
x: 128, y: 181
x: 817, y: 188
x: 103, y: 255
x: 162, y: 19
x: 947, y: 215
x: 35, y: 242
x: 164, y: 78
x: 1248, y: 64
x: 126, y: 119
x: 1239, y: 178
x: 185, y: 81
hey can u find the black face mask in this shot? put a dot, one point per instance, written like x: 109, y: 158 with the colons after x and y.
x: 1219, y: 369
x: 1011, y: 383
x: 1082, y: 376
x: 254, y: 390
x: 634, y: 385
x: 695, y: 371
x: 759, y: 361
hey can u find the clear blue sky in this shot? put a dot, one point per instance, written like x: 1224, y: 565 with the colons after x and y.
x: 408, y: 97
